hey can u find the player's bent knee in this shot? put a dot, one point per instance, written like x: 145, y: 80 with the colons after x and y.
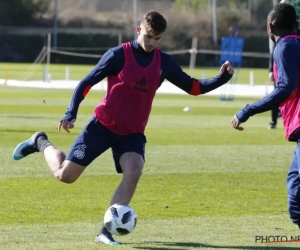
x: 69, y: 172
x: 66, y: 179
x: 132, y: 165
x: 133, y: 173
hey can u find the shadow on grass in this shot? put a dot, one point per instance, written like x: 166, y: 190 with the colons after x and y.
x: 17, y: 131
x: 185, y: 246
x: 22, y: 131
x: 27, y: 117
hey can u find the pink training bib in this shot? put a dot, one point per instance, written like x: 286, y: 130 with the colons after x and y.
x: 290, y: 108
x: 127, y: 104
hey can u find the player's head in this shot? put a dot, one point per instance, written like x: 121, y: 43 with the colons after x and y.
x: 151, y: 28
x: 281, y: 19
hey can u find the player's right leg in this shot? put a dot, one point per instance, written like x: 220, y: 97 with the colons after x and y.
x: 64, y: 170
x: 88, y: 145
x: 293, y: 187
x: 29, y: 146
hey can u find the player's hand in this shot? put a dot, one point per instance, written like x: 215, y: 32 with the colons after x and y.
x: 271, y: 76
x: 236, y: 123
x: 66, y: 125
x: 227, y: 66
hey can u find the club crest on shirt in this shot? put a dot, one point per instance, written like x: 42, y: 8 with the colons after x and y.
x: 79, y: 152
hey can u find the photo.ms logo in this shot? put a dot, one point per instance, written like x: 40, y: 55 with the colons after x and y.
x: 276, y: 238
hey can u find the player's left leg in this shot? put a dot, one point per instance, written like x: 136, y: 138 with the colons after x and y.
x: 129, y: 157
x: 293, y: 187
x: 132, y: 164
x: 274, y: 116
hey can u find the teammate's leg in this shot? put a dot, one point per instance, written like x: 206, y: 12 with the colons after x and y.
x: 293, y: 187
x: 274, y: 115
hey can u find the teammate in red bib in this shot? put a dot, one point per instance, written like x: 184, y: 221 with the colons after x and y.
x: 282, y: 26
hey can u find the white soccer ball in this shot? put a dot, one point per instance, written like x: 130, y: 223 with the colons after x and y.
x: 187, y: 109
x: 120, y: 219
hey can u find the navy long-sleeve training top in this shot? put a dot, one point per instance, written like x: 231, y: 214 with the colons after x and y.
x: 113, y: 61
x: 286, y: 58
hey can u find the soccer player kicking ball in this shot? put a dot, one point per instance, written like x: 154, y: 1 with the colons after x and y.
x: 134, y: 71
x: 282, y: 25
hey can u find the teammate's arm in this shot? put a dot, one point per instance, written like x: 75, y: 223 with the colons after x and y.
x: 287, y: 64
x: 174, y: 74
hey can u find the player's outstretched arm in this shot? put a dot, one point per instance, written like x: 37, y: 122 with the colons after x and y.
x: 174, y: 73
x: 226, y: 73
x: 227, y: 67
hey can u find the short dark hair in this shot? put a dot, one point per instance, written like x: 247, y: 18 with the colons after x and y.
x: 154, y: 22
x: 283, y: 16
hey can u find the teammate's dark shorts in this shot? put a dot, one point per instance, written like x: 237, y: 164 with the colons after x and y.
x: 95, y: 139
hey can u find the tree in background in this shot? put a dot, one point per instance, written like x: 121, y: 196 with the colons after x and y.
x: 22, y: 12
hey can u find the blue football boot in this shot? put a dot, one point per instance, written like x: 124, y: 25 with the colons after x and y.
x: 27, y: 147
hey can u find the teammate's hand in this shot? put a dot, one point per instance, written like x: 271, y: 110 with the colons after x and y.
x: 271, y: 76
x: 66, y: 125
x: 236, y: 123
x: 227, y: 66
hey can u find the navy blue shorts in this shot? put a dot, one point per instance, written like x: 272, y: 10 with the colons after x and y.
x: 95, y: 139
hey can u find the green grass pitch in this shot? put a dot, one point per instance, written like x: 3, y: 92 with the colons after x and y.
x: 77, y: 72
x: 205, y: 185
